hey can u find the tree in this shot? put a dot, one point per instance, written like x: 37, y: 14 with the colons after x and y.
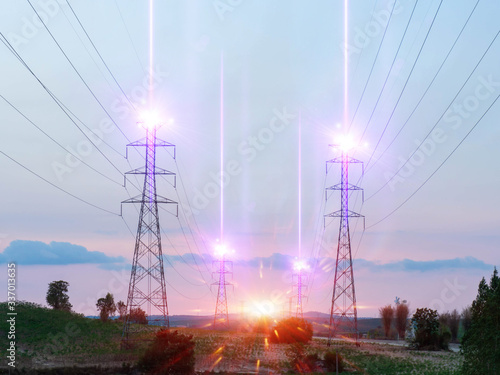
x: 426, y: 324
x: 386, y: 314
x: 57, y: 296
x: 291, y: 330
x: 466, y: 318
x: 106, y: 307
x: 453, y: 324
x: 481, y: 342
x: 170, y: 353
x: 122, y: 310
x: 401, y: 319
x: 138, y: 315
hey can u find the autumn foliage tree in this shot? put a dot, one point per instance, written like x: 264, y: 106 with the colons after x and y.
x: 138, y: 315
x: 402, y: 313
x: 386, y: 314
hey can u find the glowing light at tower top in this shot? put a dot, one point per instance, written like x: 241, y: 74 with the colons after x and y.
x: 150, y: 120
x: 300, y: 265
x: 345, y: 143
x: 221, y: 251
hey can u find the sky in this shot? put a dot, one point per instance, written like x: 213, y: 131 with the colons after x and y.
x: 420, y: 105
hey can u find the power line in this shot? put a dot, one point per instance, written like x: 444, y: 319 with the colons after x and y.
x: 56, y: 142
x: 130, y: 37
x: 429, y: 86
x: 390, y: 69
x: 100, y: 56
x: 371, y: 70
x: 76, y: 71
x: 56, y: 100
x: 442, y: 115
x: 437, y: 169
x: 57, y: 187
x: 407, y: 80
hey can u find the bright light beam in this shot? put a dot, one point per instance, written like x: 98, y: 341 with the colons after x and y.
x: 300, y: 187
x: 346, y: 61
x: 151, y: 19
x: 222, y: 147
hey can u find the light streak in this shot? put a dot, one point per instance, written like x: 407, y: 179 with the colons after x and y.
x: 300, y: 185
x: 346, y: 60
x: 222, y: 147
x: 151, y: 19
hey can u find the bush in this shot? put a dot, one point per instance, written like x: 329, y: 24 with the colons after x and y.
x: 330, y: 361
x: 138, y: 315
x: 170, y: 353
x: 426, y: 324
x: 291, y: 330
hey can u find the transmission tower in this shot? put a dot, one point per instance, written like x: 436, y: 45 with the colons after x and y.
x: 343, y: 313
x: 223, y: 267
x: 299, y: 275
x: 147, y: 289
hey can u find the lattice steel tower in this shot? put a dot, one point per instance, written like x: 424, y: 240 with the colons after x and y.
x: 299, y: 267
x: 343, y: 313
x: 223, y: 268
x: 147, y: 289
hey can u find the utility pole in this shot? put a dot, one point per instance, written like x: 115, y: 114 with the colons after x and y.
x: 343, y: 313
x: 147, y: 289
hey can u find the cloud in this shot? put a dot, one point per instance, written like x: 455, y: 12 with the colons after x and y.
x: 54, y: 253
x: 280, y: 261
x: 275, y: 261
x: 408, y: 265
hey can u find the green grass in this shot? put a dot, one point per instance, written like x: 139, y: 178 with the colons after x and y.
x: 47, y: 337
x: 399, y: 361
x: 60, y: 337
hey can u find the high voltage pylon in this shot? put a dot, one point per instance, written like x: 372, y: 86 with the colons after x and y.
x: 147, y: 289
x: 223, y: 267
x: 299, y: 286
x: 343, y: 313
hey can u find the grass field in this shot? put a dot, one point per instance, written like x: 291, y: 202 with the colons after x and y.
x: 50, y: 340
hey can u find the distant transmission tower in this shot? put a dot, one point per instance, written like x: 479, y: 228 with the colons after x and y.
x: 343, y: 313
x: 147, y: 290
x: 299, y: 268
x: 223, y: 267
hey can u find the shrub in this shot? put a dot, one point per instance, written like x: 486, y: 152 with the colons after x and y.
x: 426, y: 324
x: 332, y: 360
x: 170, y: 353
x: 291, y: 330
x: 138, y: 315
